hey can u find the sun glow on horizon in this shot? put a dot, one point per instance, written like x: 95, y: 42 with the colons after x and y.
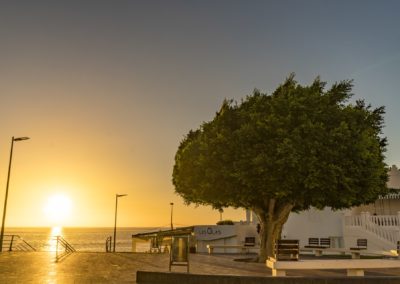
x: 58, y: 209
x: 56, y: 231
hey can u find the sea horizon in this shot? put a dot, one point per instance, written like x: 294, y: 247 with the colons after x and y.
x: 85, y: 239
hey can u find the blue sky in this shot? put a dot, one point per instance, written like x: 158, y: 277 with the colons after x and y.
x: 107, y: 89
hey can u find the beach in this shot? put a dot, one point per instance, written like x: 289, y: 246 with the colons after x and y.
x: 97, y: 267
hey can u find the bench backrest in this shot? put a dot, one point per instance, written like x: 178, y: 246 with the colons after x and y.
x: 249, y: 241
x: 286, y: 250
x: 313, y: 241
x: 362, y: 243
x: 325, y: 242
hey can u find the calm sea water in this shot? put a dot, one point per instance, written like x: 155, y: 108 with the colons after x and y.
x: 82, y: 239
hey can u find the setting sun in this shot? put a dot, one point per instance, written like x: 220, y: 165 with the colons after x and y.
x: 58, y: 208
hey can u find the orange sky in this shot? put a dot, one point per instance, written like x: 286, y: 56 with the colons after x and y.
x: 45, y: 166
x: 89, y: 141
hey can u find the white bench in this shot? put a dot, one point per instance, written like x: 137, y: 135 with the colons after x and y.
x: 242, y: 248
x: 354, y: 267
x: 355, y: 253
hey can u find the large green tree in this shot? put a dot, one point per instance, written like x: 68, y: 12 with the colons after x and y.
x: 299, y: 147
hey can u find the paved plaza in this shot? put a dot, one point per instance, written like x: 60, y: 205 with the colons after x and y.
x: 86, y: 267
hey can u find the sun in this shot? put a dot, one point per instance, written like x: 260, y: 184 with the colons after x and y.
x: 58, y: 208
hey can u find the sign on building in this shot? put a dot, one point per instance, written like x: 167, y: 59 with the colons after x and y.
x: 213, y: 232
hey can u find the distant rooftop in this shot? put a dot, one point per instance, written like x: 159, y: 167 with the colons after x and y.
x: 394, y: 182
x: 394, y: 177
x: 165, y: 233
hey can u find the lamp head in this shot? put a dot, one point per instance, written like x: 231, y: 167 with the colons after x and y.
x: 20, y: 138
x: 121, y: 195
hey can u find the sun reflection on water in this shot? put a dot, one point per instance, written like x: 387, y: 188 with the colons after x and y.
x: 52, y: 243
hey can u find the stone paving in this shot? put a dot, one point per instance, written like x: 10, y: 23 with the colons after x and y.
x: 86, y: 267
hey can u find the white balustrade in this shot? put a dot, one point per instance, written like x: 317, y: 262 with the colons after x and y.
x: 353, y: 220
x: 384, y: 226
x: 385, y: 220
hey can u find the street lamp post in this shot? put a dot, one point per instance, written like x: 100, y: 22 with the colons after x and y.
x: 172, y: 209
x: 8, y: 182
x: 115, y: 223
x: 220, y: 213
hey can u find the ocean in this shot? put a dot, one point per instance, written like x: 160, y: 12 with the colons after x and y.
x: 82, y: 239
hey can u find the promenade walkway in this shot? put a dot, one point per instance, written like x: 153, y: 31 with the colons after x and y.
x: 81, y: 267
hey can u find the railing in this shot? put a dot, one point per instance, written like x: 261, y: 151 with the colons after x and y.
x: 385, y: 220
x: 384, y: 226
x: 389, y: 235
x: 16, y: 243
x: 353, y: 220
x: 63, y: 246
x: 108, y: 244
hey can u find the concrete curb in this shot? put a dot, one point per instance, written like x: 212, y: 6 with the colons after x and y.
x: 146, y: 277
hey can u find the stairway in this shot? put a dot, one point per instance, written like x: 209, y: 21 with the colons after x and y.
x: 16, y: 243
x: 63, y: 248
x: 382, y: 231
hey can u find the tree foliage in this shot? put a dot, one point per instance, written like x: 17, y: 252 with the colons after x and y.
x: 301, y: 146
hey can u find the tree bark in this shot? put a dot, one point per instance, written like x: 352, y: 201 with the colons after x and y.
x: 272, y: 218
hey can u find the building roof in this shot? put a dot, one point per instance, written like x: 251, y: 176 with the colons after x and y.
x: 166, y: 233
x: 393, y: 183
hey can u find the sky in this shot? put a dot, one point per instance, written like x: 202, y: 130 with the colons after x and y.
x: 106, y: 90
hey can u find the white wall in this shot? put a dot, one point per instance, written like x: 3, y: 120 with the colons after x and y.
x: 244, y: 230
x: 314, y: 223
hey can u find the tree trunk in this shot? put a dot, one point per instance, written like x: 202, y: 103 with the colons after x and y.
x: 272, y: 220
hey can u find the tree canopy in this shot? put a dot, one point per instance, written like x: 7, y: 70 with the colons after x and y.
x: 301, y: 146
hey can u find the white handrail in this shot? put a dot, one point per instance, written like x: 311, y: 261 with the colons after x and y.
x: 385, y: 220
x: 384, y: 226
x: 389, y: 235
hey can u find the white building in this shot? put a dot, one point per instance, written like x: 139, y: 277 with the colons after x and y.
x: 229, y: 238
x: 378, y: 222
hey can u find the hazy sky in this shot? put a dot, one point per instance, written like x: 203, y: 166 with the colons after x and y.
x: 107, y: 89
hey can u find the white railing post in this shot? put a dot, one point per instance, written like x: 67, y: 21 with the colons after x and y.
x: 364, y: 219
x: 398, y: 219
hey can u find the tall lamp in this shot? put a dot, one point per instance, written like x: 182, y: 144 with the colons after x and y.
x: 172, y: 209
x: 115, y: 223
x: 13, y: 139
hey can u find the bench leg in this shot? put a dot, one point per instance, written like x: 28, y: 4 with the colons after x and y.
x: 355, y: 272
x: 280, y: 272
x: 318, y: 252
x: 245, y: 250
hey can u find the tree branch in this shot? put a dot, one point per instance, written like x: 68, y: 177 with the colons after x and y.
x: 282, y: 212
